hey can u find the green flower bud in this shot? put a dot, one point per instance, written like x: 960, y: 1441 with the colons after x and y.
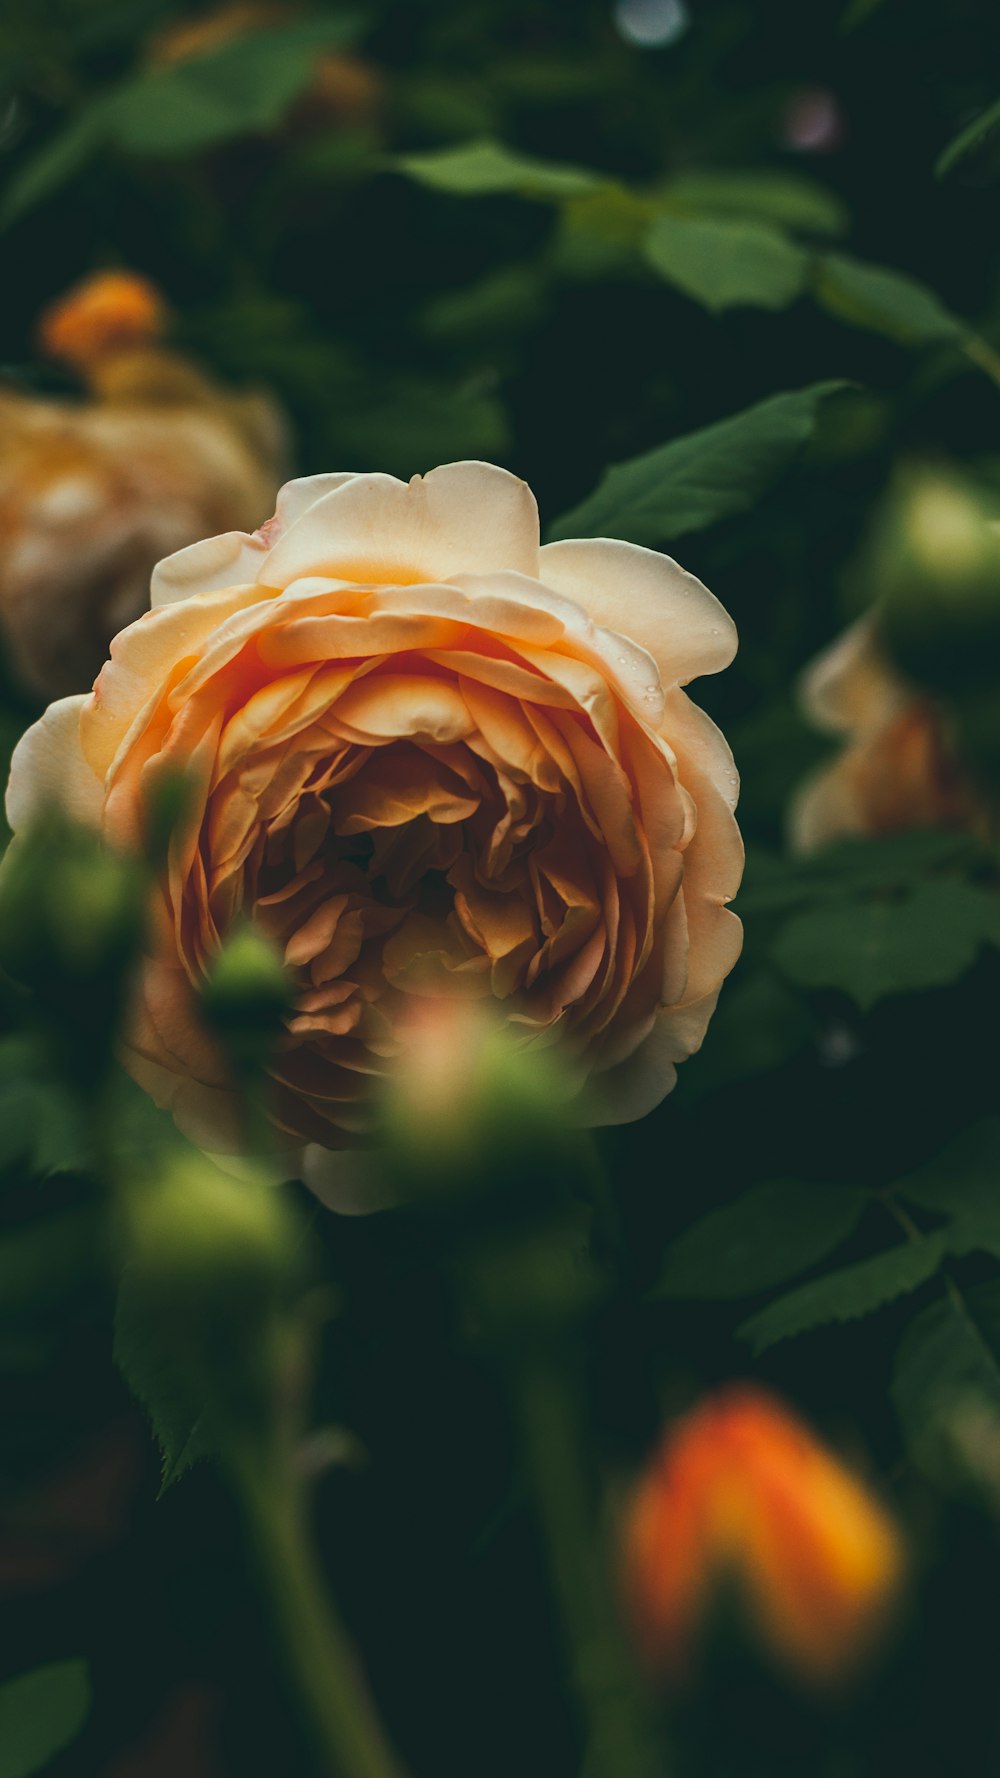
x: 72, y: 915
x: 211, y: 1269
x: 468, y: 1111
x: 934, y: 564
x: 245, y: 997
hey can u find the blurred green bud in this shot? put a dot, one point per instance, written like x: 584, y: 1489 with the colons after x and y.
x: 462, y: 1082
x: 934, y: 567
x: 480, y: 1129
x: 246, y: 995
x: 211, y: 1271
x: 468, y: 1110
x: 72, y: 916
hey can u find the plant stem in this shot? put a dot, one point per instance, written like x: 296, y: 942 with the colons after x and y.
x: 318, y: 1654
x: 620, y: 1742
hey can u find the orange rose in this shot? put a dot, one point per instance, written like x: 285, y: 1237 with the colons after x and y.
x: 741, y: 1493
x: 898, y: 768
x: 426, y: 757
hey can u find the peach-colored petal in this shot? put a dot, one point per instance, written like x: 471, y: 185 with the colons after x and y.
x: 48, y: 770
x: 211, y: 566
x: 464, y: 517
x: 641, y: 594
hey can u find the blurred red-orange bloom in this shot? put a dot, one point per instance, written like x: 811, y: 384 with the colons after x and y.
x: 740, y: 1493
x: 102, y: 314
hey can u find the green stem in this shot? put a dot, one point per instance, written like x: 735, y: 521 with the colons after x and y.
x: 620, y: 1743
x: 320, y: 1660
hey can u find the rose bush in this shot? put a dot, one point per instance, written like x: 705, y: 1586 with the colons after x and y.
x: 426, y: 756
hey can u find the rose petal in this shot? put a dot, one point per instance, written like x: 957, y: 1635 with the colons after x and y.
x: 48, y: 770
x: 463, y: 517
x: 641, y: 594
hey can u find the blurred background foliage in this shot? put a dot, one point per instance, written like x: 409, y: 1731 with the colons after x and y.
x: 565, y: 238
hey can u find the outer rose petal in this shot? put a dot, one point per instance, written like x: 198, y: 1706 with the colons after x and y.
x: 462, y: 518
x: 207, y: 567
x: 235, y: 558
x: 48, y: 769
x: 642, y: 594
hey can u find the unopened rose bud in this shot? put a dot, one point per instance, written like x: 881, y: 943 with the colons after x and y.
x: 466, y: 1099
x: 741, y: 1501
x: 245, y: 997
x: 935, y: 570
x: 211, y: 1264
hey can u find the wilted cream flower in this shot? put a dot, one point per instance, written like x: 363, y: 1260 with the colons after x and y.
x: 94, y: 493
x: 897, y: 770
x: 426, y: 757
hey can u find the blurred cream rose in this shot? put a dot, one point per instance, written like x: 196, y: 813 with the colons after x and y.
x: 897, y: 769
x: 427, y: 757
x: 93, y: 493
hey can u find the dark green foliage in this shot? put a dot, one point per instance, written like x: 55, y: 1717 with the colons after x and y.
x: 613, y: 270
x: 40, y: 1713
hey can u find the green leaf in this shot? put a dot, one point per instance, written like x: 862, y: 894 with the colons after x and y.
x: 848, y: 1294
x: 769, y: 1233
x: 973, y: 136
x: 760, y: 1025
x: 486, y: 168
x: 244, y: 85
x: 61, y: 157
x: 160, y: 1380
x: 705, y: 476
x: 783, y: 198
x: 505, y: 302
x: 925, y: 938
x: 725, y: 264
x: 858, y: 12
x: 41, y: 1712
x: 883, y: 300
x: 41, y: 1123
x: 948, y: 1363
x: 774, y: 883
x: 963, y: 1183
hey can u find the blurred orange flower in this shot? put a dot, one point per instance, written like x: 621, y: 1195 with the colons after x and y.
x: 897, y: 770
x: 101, y: 315
x: 741, y: 1492
x: 94, y: 493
